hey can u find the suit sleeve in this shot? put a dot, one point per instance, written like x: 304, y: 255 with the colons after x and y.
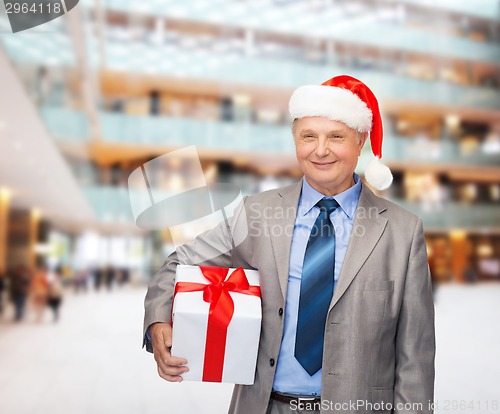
x: 415, y: 337
x: 212, y: 248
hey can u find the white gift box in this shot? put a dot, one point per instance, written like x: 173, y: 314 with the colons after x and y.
x: 190, y: 316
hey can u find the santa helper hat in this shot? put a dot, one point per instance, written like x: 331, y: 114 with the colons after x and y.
x: 348, y: 100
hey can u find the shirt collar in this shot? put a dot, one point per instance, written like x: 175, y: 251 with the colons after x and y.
x: 348, y: 199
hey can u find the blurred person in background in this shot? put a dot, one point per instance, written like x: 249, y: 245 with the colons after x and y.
x: 373, y: 339
x: 67, y: 275
x: 39, y: 292
x: 20, y: 280
x: 3, y: 286
x: 123, y: 276
x: 470, y: 275
x: 81, y: 280
x: 109, y: 274
x: 98, y: 274
x: 55, y: 294
x: 44, y: 86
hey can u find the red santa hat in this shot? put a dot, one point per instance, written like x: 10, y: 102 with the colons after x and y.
x: 348, y: 100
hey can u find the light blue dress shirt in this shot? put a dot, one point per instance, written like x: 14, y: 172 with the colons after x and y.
x: 290, y: 376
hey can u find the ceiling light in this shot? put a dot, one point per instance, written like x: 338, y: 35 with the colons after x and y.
x: 485, y: 250
x: 43, y: 249
x: 36, y: 213
x: 5, y: 194
x: 452, y: 122
x: 457, y: 234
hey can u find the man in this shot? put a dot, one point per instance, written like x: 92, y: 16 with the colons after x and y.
x: 2, y: 288
x: 347, y: 311
x: 20, y: 282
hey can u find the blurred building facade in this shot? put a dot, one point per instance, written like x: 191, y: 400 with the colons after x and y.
x: 116, y: 84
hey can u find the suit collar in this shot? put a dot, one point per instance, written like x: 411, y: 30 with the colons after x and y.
x: 290, y: 190
x: 369, y: 224
x: 281, y: 225
x: 368, y: 227
x: 348, y: 199
x: 368, y: 199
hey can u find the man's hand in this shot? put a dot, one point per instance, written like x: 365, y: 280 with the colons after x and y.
x: 169, y: 367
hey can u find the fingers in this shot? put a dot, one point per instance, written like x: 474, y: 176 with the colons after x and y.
x: 169, y: 378
x: 161, y: 338
x: 169, y: 367
x: 168, y: 372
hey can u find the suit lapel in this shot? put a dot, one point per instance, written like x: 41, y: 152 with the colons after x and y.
x: 367, y: 229
x: 281, y: 224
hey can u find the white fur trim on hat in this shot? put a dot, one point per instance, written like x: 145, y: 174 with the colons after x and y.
x: 337, y: 104
x: 378, y: 175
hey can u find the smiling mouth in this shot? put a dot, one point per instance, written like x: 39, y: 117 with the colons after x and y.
x: 323, y: 164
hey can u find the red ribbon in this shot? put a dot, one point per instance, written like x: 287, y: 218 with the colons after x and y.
x: 220, y: 313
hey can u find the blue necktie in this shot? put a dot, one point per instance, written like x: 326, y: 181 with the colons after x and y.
x: 316, y: 289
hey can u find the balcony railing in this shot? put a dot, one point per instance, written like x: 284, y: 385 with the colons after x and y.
x: 452, y: 215
x: 70, y: 125
x: 361, y: 27
x: 65, y: 123
x: 112, y: 204
x: 241, y: 69
x: 486, y: 9
x: 204, y: 64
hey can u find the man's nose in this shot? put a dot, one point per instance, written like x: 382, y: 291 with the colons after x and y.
x: 322, y: 149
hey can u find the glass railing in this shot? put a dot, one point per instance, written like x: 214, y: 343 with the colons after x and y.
x: 486, y: 9
x: 112, y: 205
x: 48, y: 44
x: 204, y: 64
x: 362, y: 26
x: 275, y: 73
x: 119, y: 204
x: 67, y: 124
x: 204, y: 134
x: 452, y: 215
x: 71, y: 125
x: 444, y: 151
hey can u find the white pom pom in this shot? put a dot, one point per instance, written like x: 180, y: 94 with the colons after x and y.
x: 378, y: 175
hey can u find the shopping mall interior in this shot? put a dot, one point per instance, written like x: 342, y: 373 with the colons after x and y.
x: 92, y: 97
x: 89, y: 99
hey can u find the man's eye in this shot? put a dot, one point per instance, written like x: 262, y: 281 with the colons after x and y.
x: 308, y: 136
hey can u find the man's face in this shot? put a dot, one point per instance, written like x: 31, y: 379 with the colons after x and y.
x: 327, y: 152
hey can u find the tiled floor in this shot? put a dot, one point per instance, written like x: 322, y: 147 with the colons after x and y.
x: 92, y: 362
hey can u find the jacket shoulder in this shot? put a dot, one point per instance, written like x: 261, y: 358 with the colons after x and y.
x: 397, y: 213
x: 387, y: 208
x: 265, y: 196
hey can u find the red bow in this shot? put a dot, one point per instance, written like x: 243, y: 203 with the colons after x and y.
x: 220, y: 313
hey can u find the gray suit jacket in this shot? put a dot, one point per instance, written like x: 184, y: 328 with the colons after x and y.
x: 379, y: 339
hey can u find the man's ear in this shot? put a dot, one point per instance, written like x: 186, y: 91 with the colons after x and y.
x: 362, y: 139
